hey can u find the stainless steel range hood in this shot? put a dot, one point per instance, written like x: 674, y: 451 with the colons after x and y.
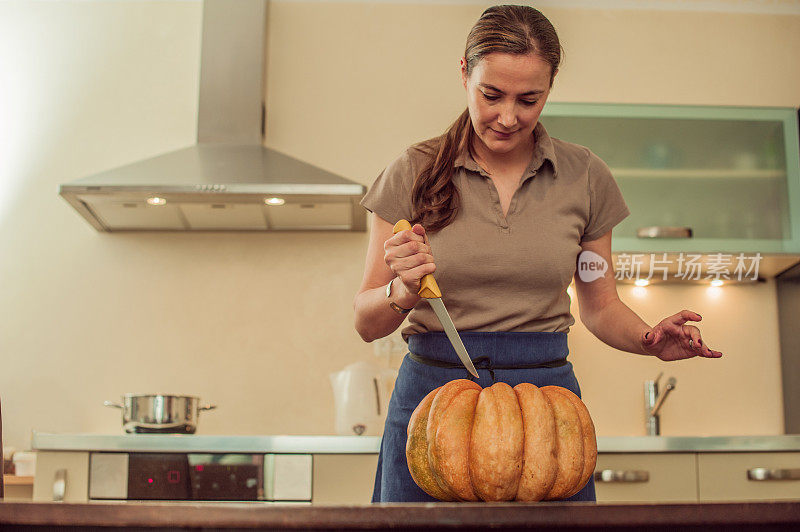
x: 228, y: 180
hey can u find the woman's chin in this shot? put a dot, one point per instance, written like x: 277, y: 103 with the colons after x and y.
x: 499, y: 146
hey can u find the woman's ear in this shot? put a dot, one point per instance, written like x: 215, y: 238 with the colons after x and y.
x: 463, y: 63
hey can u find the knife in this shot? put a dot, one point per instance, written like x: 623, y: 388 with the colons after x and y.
x: 429, y: 290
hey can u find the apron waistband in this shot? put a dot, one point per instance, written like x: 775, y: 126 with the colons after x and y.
x: 502, y: 348
x: 483, y: 362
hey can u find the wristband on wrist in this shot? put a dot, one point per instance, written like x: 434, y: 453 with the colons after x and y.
x: 397, y: 308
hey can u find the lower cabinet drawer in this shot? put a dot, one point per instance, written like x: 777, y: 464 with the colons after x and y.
x: 749, y: 476
x: 646, y: 477
x: 344, y: 478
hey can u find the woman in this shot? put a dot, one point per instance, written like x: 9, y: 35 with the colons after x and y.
x: 507, y: 210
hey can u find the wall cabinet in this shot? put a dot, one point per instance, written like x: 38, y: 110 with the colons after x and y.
x: 728, y: 175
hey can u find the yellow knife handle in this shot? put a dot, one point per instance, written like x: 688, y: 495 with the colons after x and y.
x: 428, y: 288
x: 402, y: 225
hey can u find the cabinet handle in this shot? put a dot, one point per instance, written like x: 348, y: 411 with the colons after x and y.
x: 762, y: 473
x: 59, y: 485
x: 619, y: 475
x: 664, y: 232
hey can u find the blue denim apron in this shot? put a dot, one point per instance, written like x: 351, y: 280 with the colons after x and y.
x: 491, y: 352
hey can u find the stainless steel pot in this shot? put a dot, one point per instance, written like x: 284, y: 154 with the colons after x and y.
x: 160, y: 413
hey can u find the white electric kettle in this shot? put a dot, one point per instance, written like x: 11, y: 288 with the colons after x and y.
x: 361, y: 393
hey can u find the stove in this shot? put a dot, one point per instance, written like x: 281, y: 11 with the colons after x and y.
x: 190, y: 477
x: 174, y: 467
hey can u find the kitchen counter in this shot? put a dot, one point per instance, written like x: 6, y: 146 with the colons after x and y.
x: 773, y: 515
x: 371, y: 444
x: 205, y: 444
x: 688, y: 444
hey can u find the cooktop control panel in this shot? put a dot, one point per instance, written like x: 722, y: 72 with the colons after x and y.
x: 200, y: 477
x: 195, y: 477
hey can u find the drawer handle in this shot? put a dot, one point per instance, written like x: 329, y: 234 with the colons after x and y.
x: 59, y: 485
x: 664, y: 232
x: 762, y: 473
x: 619, y: 475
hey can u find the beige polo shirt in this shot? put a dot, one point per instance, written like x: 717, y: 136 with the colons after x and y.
x: 508, y: 273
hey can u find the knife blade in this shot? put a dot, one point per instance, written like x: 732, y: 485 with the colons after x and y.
x: 429, y: 290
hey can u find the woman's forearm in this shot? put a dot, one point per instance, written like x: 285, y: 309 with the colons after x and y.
x: 374, y: 318
x: 618, y: 326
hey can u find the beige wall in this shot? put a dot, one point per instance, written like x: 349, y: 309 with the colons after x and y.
x: 256, y: 323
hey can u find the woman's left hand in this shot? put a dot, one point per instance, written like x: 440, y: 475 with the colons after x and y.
x: 671, y: 339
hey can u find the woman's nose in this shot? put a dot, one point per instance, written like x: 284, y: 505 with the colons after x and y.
x: 507, y: 118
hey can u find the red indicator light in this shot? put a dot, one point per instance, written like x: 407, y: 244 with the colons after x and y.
x: 198, y: 468
x: 173, y: 477
x: 149, y: 480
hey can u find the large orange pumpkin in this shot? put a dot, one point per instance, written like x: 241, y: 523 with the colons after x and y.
x: 467, y: 443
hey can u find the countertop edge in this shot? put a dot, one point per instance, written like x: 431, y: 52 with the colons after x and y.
x: 382, y: 516
x: 42, y: 441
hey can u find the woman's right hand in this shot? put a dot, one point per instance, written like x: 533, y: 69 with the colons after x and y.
x: 408, y: 255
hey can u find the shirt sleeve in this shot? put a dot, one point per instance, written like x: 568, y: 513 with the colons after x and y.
x: 390, y: 195
x: 607, y: 207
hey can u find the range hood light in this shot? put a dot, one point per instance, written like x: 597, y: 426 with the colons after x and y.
x: 274, y: 201
x: 155, y: 200
x: 641, y: 282
x: 717, y: 282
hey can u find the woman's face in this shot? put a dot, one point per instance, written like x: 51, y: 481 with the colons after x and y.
x: 505, y: 96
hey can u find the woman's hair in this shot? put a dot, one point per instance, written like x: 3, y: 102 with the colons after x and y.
x: 507, y: 29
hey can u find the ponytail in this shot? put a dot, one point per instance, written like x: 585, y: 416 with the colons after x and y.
x: 434, y: 196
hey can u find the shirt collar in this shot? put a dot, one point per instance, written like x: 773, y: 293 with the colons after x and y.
x: 543, y: 151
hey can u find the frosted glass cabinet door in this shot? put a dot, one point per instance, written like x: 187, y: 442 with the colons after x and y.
x: 728, y: 175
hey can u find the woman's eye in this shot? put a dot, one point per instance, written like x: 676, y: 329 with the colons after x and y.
x: 493, y: 98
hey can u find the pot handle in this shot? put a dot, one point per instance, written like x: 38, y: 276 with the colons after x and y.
x: 112, y: 404
x: 143, y: 425
x: 206, y: 407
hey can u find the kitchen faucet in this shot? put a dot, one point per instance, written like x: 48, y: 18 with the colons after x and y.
x: 653, y: 401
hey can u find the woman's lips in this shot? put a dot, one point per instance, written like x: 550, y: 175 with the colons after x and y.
x: 502, y: 135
